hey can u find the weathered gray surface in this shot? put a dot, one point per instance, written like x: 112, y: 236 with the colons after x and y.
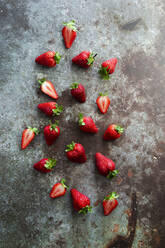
x: 134, y: 32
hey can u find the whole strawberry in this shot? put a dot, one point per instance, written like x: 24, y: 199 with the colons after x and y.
x: 58, y: 189
x: 85, y: 59
x: 108, y: 67
x: 45, y: 165
x: 69, y: 33
x: 81, y: 202
x: 76, y: 153
x: 113, y: 132
x: 48, y: 88
x: 51, y: 133
x: 110, y: 203
x: 87, y: 124
x: 27, y: 136
x: 49, y: 59
x: 103, y: 103
x: 78, y: 92
x: 50, y: 108
x: 105, y: 166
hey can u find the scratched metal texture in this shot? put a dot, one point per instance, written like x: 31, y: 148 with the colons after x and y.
x: 134, y: 32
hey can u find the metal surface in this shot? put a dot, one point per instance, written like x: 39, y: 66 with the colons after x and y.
x: 134, y: 32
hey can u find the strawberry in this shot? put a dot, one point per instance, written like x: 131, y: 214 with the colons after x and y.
x: 50, y: 108
x: 78, y: 92
x: 105, y: 166
x: 45, y: 165
x: 113, y: 132
x: 76, y: 153
x: 110, y: 203
x: 103, y: 103
x: 51, y: 133
x: 69, y: 33
x: 27, y: 136
x: 81, y: 202
x: 48, y: 88
x: 87, y: 124
x: 58, y: 189
x: 108, y: 67
x: 85, y: 59
x: 49, y: 59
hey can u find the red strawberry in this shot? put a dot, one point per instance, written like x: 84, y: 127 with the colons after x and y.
x: 51, y: 133
x: 87, y: 124
x: 110, y: 203
x: 81, y: 202
x: 45, y: 165
x: 78, y: 92
x: 105, y: 166
x: 108, y: 67
x: 69, y: 33
x: 76, y: 153
x: 50, y: 108
x: 49, y: 59
x: 113, y: 132
x: 48, y: 88
x: 85, y: 59
x: 58, y: 189
x: 27, y: 136
x: 103, y: 102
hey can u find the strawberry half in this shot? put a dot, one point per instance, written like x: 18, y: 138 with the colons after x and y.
x: 59, y: 189
x: 50, y: 108
x: 48, y: 88
x: 113, y: 132
x: 108, y: 67
x: 110, y: 203
x: 49, y: 59
x: 78, y: 92
x: 51, y: 133
x: 45, y: 165
x: 69, y: 33
x: 85, y: 59
x: 103, y: 103
x: 87, y: 124
x: 81, y: 202
x: 76, y: 153
x: 27, y: 136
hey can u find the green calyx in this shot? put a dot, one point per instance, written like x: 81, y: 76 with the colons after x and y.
x: 57, y: 57
x: 91, y: 59
x: 104, y: 73
x: 103, y: 94
x: 112, y: 174
x: 111, y: 196
x: 63, y: 183
x: 70, y: 25
x: 119, y: 129
x: 70, y: 147
x: 34, y: 129
x: 74, y: 86
x: 41, y: 81
x: 81, y: 122
x: 50, y: 163
x: 57, y: 110
x: 85, y: 210
x: 53, y: 126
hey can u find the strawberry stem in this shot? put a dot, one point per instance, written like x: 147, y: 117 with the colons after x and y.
x: 53, y: 126
x: 41, y: 81
x: 34, y: 129
x: 74, y: 86
x: 57, y: 57
x: 119, y: 129
x: 85, y: 210
x: 63, y: 183
x: 81, y: 122
x: 70, y: 25
x: 111, y: 196
x: 57, y: 110
x: 70, y: 147
x: 112, y: 174
x: 50, y: 163
x: 104, y: 73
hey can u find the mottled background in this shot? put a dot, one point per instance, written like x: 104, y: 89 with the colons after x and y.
x: 134, y: 32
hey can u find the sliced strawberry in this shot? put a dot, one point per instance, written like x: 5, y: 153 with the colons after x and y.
x: 103, y: 103
x: 69, y: 33
x: 110, y: 203
x: 48, y: 88
x: 59, y: 189
x: 27, y: 136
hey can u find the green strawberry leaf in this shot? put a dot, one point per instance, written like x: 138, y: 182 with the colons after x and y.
x: 111, y: 196
x: 41, y: 81
x: 63, y: 183
x: 104, y: 73
x: 34, y: 129
x: 91, y: 59
x: 70, y: 147
x: 57, y: 110
x: 119, y: 129
x: 81, y: 122
x: 74, y: 86
x: 103, y: 94
x: 85, y: 210
x: 53, y: 126
x: 57, y: 57
x: 50, y: 163
x: 112, y: 174
x: 70, y: 25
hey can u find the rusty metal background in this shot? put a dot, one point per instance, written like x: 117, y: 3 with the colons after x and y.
x: 134, y: 32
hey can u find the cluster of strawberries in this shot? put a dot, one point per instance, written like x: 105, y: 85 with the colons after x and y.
x: 75, y: 152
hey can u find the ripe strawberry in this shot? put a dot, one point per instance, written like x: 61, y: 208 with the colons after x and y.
x: 76, y: 153
x: 108, y: 67
x: 85, y: 59
x: 87, y: 124
x: 103, y: 102
x: 45, y: 165
x: 51, y: 133
x: 81, y: 202
x: 48, y: 88
x: 78, y: 92
x: 113, y: 132
x: 27, y: 136
x: 110, y: 203
x: 49, y: 59
x: 58, y: 189
x: 105, y: 166
x: 69, y: 33
x: 50, y: 108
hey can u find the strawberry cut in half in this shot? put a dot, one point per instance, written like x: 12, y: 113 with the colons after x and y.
x: 103, y: 103
x: 108, y: 67
x: 50, y: 108
x: 110, y: 203
x: 45, y: 165
x: 69, y: 33
x: 48, y: 88
x: 27, y: 136
x: 59, y: 189
x: 48, y: 59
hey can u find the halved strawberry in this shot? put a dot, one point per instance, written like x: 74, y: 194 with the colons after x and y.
x: 48, y: 88
x: 110, y: 203
x: 58, y: 189
x: 103, y: 103
x: 28, y: 135
x: 69, y: 33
